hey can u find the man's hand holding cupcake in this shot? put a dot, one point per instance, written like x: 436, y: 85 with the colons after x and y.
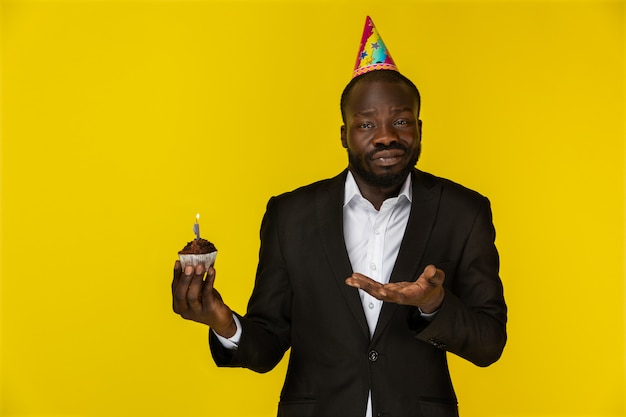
x: 195, y: 298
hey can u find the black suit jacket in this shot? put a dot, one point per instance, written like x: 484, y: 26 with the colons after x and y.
x: 300, y: 301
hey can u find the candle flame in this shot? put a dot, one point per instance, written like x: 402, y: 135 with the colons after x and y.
x: 197, y: 217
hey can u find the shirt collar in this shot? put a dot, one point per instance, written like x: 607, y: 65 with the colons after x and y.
x: 352, y: 189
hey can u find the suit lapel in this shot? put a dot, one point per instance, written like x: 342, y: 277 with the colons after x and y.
x: 421, y: 220
x: 329, y: 208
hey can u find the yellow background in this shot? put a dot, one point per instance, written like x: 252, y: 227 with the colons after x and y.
x: 121, y: 120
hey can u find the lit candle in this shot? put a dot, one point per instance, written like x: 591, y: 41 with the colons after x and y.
x: 196, y: 227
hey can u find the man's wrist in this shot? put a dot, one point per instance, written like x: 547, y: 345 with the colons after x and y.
x: 231, y: 343
x: 433, y: 307
x: 228, y: 331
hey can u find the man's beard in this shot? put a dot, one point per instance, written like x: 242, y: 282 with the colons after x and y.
x: 360, y: 167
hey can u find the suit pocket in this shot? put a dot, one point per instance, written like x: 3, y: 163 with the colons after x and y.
x: 296, y: 408
x: 437, y: 409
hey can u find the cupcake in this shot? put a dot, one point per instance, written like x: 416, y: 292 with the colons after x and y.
x: 198, y: 251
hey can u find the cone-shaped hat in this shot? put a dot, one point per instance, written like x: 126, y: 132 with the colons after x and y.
x: 373, y: 54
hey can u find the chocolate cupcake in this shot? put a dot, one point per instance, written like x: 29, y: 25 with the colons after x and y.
x: 198, y: 251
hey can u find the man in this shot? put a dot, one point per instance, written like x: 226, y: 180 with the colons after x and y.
x: 369, y: 277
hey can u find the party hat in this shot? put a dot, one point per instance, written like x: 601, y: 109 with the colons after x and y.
x: 373, y: 54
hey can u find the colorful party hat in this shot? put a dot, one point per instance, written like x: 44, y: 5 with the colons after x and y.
x: 373, y: 54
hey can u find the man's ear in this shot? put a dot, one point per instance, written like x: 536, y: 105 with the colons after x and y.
x: 344, y: 143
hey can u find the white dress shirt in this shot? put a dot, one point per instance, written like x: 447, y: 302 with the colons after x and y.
x: 373, y: 240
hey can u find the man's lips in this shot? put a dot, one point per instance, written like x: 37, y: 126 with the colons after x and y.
x: 388, y: 156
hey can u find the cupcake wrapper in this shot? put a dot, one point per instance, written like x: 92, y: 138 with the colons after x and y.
x: 207, y: 259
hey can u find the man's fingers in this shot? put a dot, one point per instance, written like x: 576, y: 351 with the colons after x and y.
x: 178, y: 270
x: 433, y: 276
x: 404, y: 292
x: 367, y: 284
x: 186, y: 291
x: 207, y: 288
x: 179, y: 292
x: 210, y: 276
x: 195, y: 287
x: 357, y: 280
x: 353, y: 281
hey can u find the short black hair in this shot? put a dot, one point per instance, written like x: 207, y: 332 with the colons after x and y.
x: 390, y: 76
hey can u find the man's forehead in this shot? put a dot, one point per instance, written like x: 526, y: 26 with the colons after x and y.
x: 368, y: 92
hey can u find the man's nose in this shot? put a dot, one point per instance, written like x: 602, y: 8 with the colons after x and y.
x: 385, y: 136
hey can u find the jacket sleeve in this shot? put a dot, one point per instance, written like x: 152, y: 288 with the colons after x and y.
x: 266, y: 327
x: 472, y: 320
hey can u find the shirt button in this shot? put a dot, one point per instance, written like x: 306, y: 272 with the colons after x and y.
x: 377, y: 231
x: 371, y: 305
x: 372, y: 356
x: 373, y: 266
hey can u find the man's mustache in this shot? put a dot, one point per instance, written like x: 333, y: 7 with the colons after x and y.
x: 381, y: 147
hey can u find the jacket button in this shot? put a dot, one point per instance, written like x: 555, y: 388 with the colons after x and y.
x: 372, y: 355
x: 436, y: 343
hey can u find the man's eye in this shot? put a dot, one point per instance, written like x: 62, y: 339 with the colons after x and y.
x: 366, y: 125
x: 402, y: 122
